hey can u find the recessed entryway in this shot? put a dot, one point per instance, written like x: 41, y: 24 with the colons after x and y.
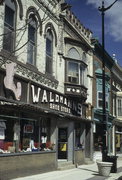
x: 62, y: 143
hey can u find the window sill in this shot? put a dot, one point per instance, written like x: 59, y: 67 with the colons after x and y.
x: 77, y: 85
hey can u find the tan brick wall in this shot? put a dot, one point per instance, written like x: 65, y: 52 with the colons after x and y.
x: 21, y: 165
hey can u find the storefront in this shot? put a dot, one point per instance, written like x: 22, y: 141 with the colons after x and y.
x: 37, y: 125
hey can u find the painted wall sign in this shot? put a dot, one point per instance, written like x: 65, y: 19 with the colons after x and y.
x: 55, y: 101
x: 9, y: 81
x: 22, y: 91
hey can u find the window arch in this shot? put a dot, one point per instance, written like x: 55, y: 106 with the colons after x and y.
x: 49, y: 51
x: 10, y: 14
x: 74, y: 54
x: 32, y: 36
x: 33, y: 10
x: 19, y: 3
x: 51, y: 27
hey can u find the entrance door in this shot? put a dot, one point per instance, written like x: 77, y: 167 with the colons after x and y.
x: 62, y: 143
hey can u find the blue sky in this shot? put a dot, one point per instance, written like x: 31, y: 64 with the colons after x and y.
x: 87, y: 12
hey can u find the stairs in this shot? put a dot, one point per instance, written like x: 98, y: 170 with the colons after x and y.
x: 64, y: 165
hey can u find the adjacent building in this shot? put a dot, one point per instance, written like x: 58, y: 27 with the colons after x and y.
x: 98, y: 100
x: 117, y: 106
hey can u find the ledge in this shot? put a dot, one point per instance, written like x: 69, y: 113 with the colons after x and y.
x: 25, y: 153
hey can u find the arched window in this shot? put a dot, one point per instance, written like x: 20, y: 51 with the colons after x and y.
x: 9, y: 26
x: 49, y: 51
x: 76, y: 69
x: 74, y: 54
x: 32, y: 36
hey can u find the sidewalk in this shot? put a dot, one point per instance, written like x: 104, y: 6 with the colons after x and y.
x: 83, y: 172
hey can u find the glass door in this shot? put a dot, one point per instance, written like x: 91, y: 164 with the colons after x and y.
x: 62, y: 143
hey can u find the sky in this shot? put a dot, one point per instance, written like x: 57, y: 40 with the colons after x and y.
x: 89, y: 15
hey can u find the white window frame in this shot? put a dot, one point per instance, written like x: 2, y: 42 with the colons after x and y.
x: 119, y: 107
x: 107, y: 100
x: 81, y: 77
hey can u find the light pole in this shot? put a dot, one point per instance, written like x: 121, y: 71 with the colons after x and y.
x: 104, y: 122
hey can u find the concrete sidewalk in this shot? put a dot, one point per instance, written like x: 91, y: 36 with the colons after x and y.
x: 83, y: 172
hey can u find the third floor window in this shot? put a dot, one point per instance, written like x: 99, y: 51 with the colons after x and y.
x: 32, y: 35
x: 9, y: 26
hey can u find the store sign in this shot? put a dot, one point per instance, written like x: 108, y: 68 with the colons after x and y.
x: 55, y: 101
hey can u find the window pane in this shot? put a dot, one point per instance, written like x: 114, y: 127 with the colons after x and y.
x: 31, y: 53
x: 31, y: 57
x: 100, y: 95
x: 31, y: 33
x: 73, y: 67
x: 49, y: 52
x: 9, y: 16
x: 8, y: 39
x: 100, y: 103
x: 48, y: 47
x: 49, y: 64
x: 24, y: 136
x: 73, y: 72
x: 119, y: 107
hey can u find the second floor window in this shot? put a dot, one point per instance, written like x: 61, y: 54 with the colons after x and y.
x: 119, y: 104
x: 76, y: 69
x: 9, y: 26
x: 100, y: 100
x: 32, y: 34
x: 49, y: 52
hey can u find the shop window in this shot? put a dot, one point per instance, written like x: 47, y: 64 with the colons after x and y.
x: 9, y: 26
x: 24, y: 136
x: 97, y: 142
x: 32, y: 36
x: 49, y: 52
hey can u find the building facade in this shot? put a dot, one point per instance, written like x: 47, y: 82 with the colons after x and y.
x: 117, y: 107
x: 45, y: 87
x: 98, y: 101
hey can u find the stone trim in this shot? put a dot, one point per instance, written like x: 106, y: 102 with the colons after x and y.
x: 35, y: 76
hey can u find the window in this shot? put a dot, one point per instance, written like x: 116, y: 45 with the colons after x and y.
x: 9, y: 26
x: 119, y: 107
x: 114, y: 106
x: 73, y: 73
x: 100, y: 100
x: 76, y: 69
x: 32, y: 35
x: 49, y: 51
x: 26, y: 135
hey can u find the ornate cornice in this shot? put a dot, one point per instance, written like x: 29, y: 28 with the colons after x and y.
x: 30, y: 75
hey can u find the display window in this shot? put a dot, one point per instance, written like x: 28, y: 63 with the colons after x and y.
x: 24, y: 135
